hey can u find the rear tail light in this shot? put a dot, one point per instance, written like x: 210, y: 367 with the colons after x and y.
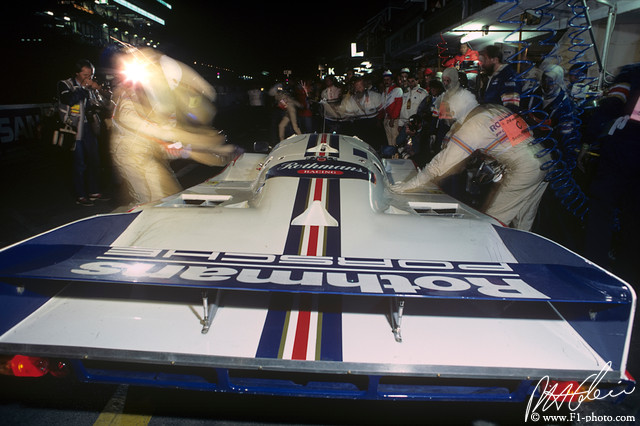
x: 30, y: 366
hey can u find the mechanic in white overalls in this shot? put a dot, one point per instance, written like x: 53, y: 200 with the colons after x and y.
x: 164, y: 115
x: 503, y: 135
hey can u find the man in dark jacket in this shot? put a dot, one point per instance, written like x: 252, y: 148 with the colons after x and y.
x: 77, y: 95
x: 615, y: 128
x: 503, y: 88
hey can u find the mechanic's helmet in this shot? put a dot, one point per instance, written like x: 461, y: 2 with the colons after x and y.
x: 552, y: 81
x: 174, y: 89
x: 142, y: 68
x: 461, y: 103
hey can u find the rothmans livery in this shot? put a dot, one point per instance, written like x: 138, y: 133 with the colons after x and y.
x: 302, y: 261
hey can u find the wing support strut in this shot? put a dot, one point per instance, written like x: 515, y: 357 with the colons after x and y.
x: 209, y: 309
x: 396, y: 306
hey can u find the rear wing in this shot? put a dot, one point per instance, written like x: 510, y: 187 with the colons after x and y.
x: 551, y: 314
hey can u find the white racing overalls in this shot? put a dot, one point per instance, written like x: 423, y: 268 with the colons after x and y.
x: 505, y: 136
x: 138, y: 156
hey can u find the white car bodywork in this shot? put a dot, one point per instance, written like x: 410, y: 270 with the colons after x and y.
x: 302, y: 260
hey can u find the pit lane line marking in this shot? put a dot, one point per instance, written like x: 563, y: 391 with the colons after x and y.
x: 112, y: 414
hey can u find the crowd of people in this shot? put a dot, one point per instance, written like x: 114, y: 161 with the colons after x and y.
x: 474, y: 108
x: 530, y: 126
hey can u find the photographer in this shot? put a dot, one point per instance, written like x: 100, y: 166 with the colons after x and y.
x: 79, y: 102
x: 408, y: 140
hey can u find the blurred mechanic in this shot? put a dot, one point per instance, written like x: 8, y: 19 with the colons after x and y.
x: 164, y: 111
x: 285, y: 101
x: 451, y: 83
x: 501, y: 134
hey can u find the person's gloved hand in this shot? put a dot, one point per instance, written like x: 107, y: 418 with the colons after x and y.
x: 404, y: 186
x: 416, y: 182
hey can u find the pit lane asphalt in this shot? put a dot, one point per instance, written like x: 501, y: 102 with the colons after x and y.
x: 37, y: 196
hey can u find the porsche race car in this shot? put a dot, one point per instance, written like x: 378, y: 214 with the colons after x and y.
x: 298, y: 272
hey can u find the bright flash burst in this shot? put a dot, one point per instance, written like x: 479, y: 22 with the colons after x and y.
x: 135, y: 71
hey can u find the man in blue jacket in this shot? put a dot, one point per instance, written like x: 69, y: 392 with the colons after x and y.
x: 502, y: 88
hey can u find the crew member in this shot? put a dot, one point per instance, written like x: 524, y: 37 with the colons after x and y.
x: 362, y: 108
x: 503, y: 88
x: 468, y: 62
x: 391, y: 104
x: 556, y: 110
x: 615, y: 126
x: 411, y: 100
x: 165, y: 113
x: 503, y: 135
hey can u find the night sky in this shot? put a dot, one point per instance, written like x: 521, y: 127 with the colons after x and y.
x: 271, y: 35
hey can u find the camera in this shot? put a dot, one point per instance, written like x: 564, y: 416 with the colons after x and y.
x: 405, y: 151
x: 415, y: 123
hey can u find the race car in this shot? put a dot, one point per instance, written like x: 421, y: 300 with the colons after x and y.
x: 298, y: 272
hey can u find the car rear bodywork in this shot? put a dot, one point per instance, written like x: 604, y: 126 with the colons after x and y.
x: 300, y: 273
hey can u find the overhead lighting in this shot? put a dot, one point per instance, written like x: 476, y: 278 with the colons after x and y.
x: 140, y: 11
x: 471, y: 36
